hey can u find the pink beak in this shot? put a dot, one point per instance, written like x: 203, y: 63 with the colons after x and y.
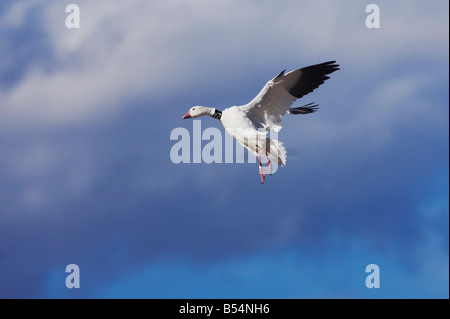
x: 186, y: 116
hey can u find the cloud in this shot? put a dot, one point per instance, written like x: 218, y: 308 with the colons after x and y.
x: 87, y: 177
x: 124, y: 50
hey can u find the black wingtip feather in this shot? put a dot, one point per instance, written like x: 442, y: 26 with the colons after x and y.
x: 312, y: 77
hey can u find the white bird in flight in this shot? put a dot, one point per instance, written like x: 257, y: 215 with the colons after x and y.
x: 248, y: 124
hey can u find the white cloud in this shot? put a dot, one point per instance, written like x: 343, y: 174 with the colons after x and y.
x: 142, y: 48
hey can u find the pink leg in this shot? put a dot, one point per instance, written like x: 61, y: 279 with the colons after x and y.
x: 269, y: 164
x: 261, y: 170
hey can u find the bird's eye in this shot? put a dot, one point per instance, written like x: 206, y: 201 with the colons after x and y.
x: 193, y: 109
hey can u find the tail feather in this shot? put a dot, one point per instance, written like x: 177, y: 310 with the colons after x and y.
x: 257, y: 142
x: 276, y: 152
x: 305, y: 109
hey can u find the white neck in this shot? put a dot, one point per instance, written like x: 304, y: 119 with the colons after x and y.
x: 208, y: 110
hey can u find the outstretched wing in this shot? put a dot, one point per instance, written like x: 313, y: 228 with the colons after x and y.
x: 274, y: 100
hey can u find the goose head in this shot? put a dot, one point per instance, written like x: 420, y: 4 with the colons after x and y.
x: 196, y: 111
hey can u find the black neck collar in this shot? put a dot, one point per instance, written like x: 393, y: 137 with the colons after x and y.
x: 217, y: 114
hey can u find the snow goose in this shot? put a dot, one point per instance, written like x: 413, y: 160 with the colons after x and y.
x: 248, y: 124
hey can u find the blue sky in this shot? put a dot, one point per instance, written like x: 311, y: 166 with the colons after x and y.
x: 85, y: 122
